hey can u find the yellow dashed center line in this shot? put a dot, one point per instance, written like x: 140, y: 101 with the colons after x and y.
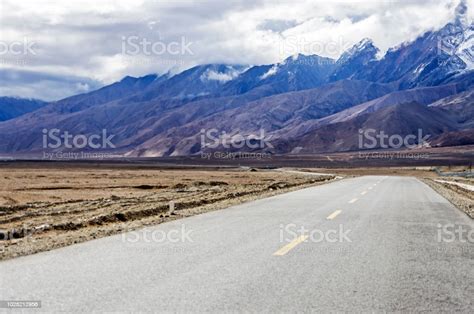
x: 353, y: 201
x: 290, y: 246
x: 333, y: 215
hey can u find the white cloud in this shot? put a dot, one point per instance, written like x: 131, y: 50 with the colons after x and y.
x: 273, y: 70
x: 219, y: 76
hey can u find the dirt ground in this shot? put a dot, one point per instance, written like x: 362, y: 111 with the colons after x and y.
x: 460, y: 197
x: 425, y: 172
x: 46, y: 207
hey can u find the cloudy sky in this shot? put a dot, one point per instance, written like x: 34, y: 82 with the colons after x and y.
x: 57, y: 48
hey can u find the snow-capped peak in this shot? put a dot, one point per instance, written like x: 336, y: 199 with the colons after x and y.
x: 365, y: 44
x: 465, y: 51
x: 456, y: 40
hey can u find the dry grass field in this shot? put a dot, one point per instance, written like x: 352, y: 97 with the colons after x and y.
x: 46, y: 207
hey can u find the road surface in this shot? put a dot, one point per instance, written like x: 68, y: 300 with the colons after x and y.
x: 366, y: 244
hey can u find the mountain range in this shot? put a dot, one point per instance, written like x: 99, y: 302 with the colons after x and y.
x: 12, y: 107
x: 304, y: 104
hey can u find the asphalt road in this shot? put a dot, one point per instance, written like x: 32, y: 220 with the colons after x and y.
x: 369, y: 244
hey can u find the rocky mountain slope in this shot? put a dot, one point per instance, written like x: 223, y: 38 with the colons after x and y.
x: 12, y: 107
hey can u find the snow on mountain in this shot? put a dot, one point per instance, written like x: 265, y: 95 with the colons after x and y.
x: 163, y: 115
x: 465, y: 50
x: 365, y: 44
x: 456, y: 41
x: 355, y: 60
x: 295, y: 73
